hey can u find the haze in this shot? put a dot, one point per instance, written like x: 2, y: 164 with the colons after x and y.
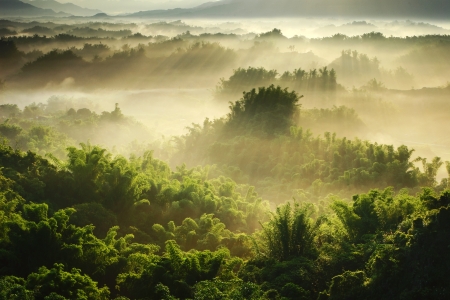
x: 230, y: 149
x: 129, y: 6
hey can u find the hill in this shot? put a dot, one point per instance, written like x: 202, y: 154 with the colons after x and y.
x: 69, y: 8
x: 15, y: 8
x: 304, y: 8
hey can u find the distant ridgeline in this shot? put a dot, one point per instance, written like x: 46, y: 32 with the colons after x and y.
x: 15, y: 8
x: 42, y: 8
x: 429, y: 9
x: 304, y: 8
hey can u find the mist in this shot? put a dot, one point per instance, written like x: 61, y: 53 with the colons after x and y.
x: 190, y: 150
x: 167, y: 75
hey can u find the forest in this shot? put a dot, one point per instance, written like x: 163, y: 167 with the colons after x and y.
x: 176, y: 160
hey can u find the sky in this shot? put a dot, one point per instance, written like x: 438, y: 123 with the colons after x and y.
x: 122, y: 6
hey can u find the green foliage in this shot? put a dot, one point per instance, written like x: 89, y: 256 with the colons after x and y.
x: 259, y: 143
x: 100, y: 226
x: 349, y: 285
x: 290, y: 233
x: 322, y: 80
x: 379, y: 239
x: 95, y: 214
x: 274, y: 34
x: 312, y: 81
x: 8, y: 49
x: 267, y: 112
x: 356, y: 68
x: 246, y: 79
x: 106, y: 191
x: 54, y: 57
x: 56, y: 282
x: 231, y: 289
x: 9, y: 131
x: 296, y: 160
x: 9, y: 110
x: 13, y: 288
x: 51, y: 127
x: 430, y: 170
x: 341, y: 119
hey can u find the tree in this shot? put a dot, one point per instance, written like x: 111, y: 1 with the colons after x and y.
x: 290, y: 233
x: 57, y: 282
x: 430, y: 170
x: 269, y: 111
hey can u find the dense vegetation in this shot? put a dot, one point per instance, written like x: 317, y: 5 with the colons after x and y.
x: 260, y: 143
x: 322, y: 81
x: 105, y: 53
x: 98, y: 226
x: 286, y: 196
x: 52, y: 127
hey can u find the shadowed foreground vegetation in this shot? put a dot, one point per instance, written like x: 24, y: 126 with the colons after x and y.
x: 366, y: 222
x: 306, y: 188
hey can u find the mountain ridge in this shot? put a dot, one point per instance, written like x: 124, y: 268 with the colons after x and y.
x: 68, y: 8
x: 307, y: 8
x: 16, y: 8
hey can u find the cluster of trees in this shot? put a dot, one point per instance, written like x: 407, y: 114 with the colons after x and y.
x: 212, y: 56
x: 99, y: 33
x: 162, y: 68
x: 206, y: 54
x: 42, y: 42
x: 101, y: 227
x: 10, y: 57
x: 52, y: 127
x: 91, y: 225
x: 368, y: 220
x: 7, y: 32
x: 355, y: 69
x: 343, y: 120
x: 260, y: 142
x: 312, y: 82
x: 431, y: 59
x: 50, y: 246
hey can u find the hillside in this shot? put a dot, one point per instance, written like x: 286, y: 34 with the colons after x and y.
x: 304, y: 8
x: 15, y: 8
x: 69, y: 8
